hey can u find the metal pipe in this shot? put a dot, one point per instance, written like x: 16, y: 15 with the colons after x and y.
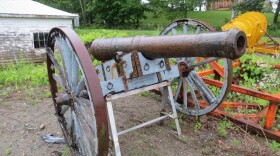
x: 230, y: 44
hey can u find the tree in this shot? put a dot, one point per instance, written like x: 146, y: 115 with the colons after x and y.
x: 179, y: 8
x: 249, y: 5
x: 276, y: 14
x: 119, y: 13
x: 156, y: 7
x: 81, y: 7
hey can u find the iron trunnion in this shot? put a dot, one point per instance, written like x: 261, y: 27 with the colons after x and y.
x: 82, y: 97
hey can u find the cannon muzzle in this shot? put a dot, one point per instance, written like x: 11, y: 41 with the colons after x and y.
x: 230, y: 44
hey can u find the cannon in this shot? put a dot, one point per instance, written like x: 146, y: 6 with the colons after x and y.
x: 82, y: 94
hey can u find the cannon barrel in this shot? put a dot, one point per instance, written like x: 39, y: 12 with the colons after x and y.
x: 230, y: 44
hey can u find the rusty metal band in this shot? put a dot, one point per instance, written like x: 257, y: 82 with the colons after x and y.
x: 188, y: 19
x: 94, y: 87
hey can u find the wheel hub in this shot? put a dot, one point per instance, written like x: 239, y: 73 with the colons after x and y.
x: 184, y: 69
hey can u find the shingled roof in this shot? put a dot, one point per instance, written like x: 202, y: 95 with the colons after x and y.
x: 31, y: 9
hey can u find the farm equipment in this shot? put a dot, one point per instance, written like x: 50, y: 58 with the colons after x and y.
x: 82, y: 94
x: 254, y: 24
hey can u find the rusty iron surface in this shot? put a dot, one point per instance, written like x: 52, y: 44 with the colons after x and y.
x: 230, y: 44
x: 93, y: 83
x: 247, y: 91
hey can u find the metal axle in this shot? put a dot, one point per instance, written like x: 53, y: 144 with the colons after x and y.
x: 230, y: 44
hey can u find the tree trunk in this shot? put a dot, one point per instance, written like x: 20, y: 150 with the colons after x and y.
x: 234, y: 13
x: 83, y: 13
x: 276, y: 14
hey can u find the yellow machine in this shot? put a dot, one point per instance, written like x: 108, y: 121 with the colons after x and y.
x: 254, y: 24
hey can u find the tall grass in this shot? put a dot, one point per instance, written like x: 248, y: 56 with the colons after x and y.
x: 21, y: 74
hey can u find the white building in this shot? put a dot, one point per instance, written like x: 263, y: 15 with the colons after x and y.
x: 24, y: 26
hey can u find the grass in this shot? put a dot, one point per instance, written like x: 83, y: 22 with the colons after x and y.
x: 8, y: 150
x: 275, y: 147
x: 223, y: 126
x: 89, y: 35
x: 28, y: 81
x: 66, y: 151
x: 23, y: 74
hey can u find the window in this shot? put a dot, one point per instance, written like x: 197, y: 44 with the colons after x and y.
x: 40, y: 40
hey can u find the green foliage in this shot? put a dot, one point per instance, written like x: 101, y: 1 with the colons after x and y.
x: 275, y: 147
x: 119, y: 13
x: 267, y: 7
x: 197, y: 126
x: 8, y: 150
x: 89, y: 35
x: 23, y: 74
x: 235, y: 142
x: 156, y: 7
x: 249, y: 5
x: 82, y: 7
x: 223, y: 126
x: 250, y: 71
x: 181, y: 122
x: 66, y: 151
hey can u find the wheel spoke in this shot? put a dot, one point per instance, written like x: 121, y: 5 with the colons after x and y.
x: 191, y: 60
x: 64, y: 109
x: 75, y: 72
x: 197, y: 31
x: 60, y: 81
x: 76, y: 127
x: 185, y: 29
x: 185, y: 94
x: 50, y: 53
x: 174, y: 80
x: 84, y: 115
x: 80, y: 86
x: 193, y: 94
x: 204, y: 62
x: 69, y: 120
x: 66, y: 52
x: 174, y: 32
x: 87, y: 128
x: 83, y: 102
x: 202, y: 88
x: 178, y: 89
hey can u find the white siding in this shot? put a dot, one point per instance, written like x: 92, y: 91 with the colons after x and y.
x: 16, y: 36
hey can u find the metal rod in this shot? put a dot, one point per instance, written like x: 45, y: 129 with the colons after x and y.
x: 204, y: 62
x: 113, y: 128
x: 143, y: 125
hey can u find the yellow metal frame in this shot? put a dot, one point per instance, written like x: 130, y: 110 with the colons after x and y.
x: 254, y: 24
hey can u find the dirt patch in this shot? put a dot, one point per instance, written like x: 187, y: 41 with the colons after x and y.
x: 22, y: 126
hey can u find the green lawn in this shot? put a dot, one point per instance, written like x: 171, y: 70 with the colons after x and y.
x: 214, y: 18
x: 88, y: 35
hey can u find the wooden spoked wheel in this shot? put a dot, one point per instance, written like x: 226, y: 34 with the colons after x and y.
x: 191, y: 93
x: 77, y: 95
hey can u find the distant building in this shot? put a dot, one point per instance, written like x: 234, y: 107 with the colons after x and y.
x: 24, y: 26
x: 220, y: 5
